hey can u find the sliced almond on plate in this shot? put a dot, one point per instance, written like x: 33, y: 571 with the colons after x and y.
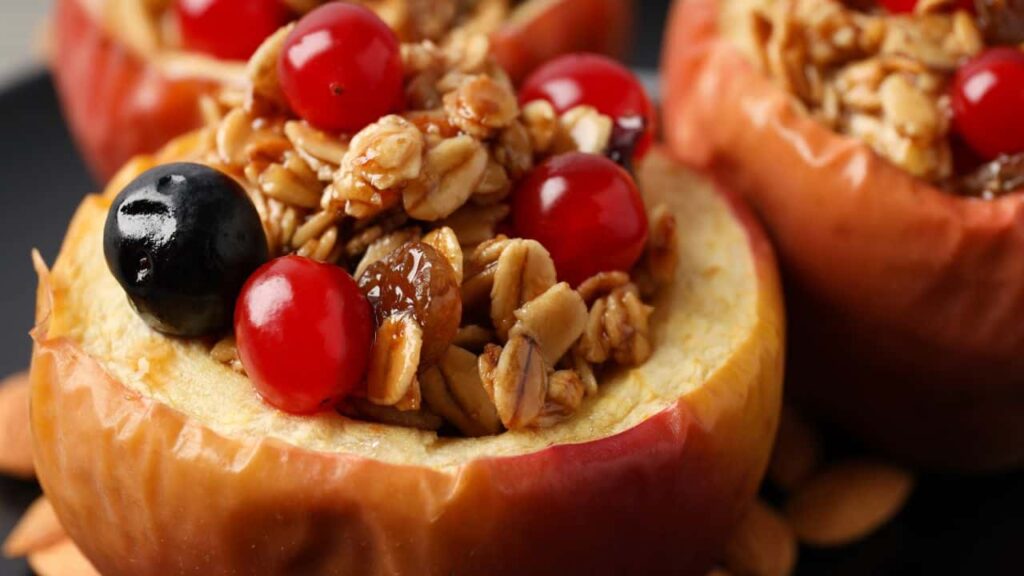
x: 762, y: 545
x: 37, y: 529
x: 61, y: 559
x: 847, y: 502
x: 15, y: 433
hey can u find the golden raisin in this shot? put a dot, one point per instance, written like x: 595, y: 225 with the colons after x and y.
x: 416, y: 279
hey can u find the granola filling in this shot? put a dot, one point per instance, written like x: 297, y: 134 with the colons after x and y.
x: 433, y: 183
x: 150, y: 25
x: 885, y: 78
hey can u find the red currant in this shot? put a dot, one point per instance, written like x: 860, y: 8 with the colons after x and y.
x: 304, y: 332
x: 907, y: 6
x: 586, y: 210
x: 598, y: 81
x: 228, y: 29
x: 987, y: 96
x: 341, y: 68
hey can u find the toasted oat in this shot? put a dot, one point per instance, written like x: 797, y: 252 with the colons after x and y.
x: 554, y: 320
x: 516, y: 380
x: 15, y: 429
x: 454, y: 390
x: 661, y: 258
x: 763, y: 544
x: 848, y: 501
x: 262, y: 69
x: 394, y: 360
x: 523, y: 272
x: 474, y: 224
x: 565, y: 394
x: 419, y: 419
x: 583, y: 129
x: 541, y: 123
x: 454, y: 169
x: 385, y: 245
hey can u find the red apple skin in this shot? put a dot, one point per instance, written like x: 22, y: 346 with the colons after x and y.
x: 116, y: 104
x: 905, y: 301
x: 119, y: 104
x: 144, y: 489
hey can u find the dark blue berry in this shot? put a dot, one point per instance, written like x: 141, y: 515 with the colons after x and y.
x: 181, y: 239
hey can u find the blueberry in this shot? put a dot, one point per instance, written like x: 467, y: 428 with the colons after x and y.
x: 181, y: 239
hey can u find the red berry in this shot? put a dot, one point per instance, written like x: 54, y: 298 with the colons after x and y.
x: 987, y: 97
x: 595, y: 80
x: 304, y: 332
x: 341, y: 68
x: 228, y: 29
x: 907, y: 6
x: 586, y: 210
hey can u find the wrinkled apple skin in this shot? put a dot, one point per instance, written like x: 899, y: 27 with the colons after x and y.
x: 144, y: 489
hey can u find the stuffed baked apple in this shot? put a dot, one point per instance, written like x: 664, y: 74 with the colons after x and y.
x: 131, y: 72
x: 880, y: 143
x: 452, y: 336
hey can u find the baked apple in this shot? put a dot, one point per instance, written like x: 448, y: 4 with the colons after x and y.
x: 883, y: 153
x: 131, y: 73
x: 408, y: 372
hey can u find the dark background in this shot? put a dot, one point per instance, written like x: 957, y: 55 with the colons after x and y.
x: 952, y: 525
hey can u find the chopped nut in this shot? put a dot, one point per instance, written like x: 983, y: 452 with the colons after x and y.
x: 554, y: 320
x: 662, y: 256
x: 565, y: 394
x: 225, y: 351
x: 454, y: 169
x: 524, y: 271
x: 516, y: 379
x: 394, y: 359
x: 601, y: 284
x: 583, y: 129
x: 480, y: 106
x: 541, y: 123
x: 617, y: 327
x: 385, y: 154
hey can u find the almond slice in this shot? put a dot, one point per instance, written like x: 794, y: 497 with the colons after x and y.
x: 62, y: 559
x: 848, y: 502
x: 15, y: 433
x: 37, y: 529
x: 797, y: 453
x: 762, y: 545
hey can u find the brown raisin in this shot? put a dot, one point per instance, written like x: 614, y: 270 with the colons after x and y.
x: 416, y: 279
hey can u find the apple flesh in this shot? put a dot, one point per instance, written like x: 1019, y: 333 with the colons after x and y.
x: 159, y: 460
x: 119, y: 102
x: 905, y: 300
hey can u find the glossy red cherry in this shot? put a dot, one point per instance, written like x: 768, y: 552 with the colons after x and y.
x: 304, y: 332
x: 987, y: 97
x: 228, y: 29
x: 586, y: 210
x: 341, y: 68
x: 598, y: 81
x: 907, y: 6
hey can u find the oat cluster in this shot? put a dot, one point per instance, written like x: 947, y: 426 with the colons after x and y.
x: 880, y: 77
x: 412, y: 204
